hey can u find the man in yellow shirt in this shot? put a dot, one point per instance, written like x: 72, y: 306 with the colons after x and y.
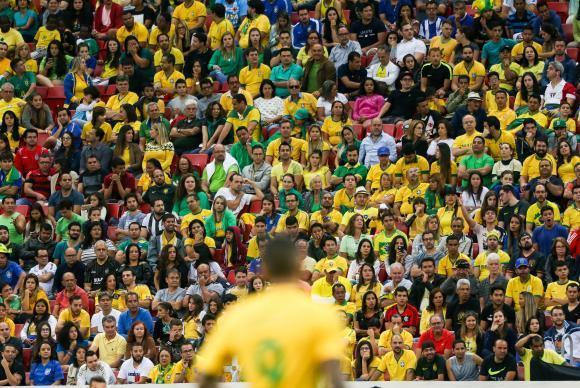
x: 463, y: 145
x: 272, y: 152
x: 192, y: 13
x: 251, y: 76
x: 242, y: 115
x: 480, y: 270
x: 527, y: 41
x: 330, y: 247
x: 164, y: 80
x: 507, y: 70
x: 47, y: 34
x: 254, y: 19
x: 75, y: 314
x: 533, y: 112
x: 496, y: 136
x: 323, y: 288
x: 537, y: 351
x: 124, y: 96
x: 524, y: 282
x: 571, y: 219
x: 376, y: 171
x: 110, y: 345
x: 9, y: 35
x: 9, y: 102
x: 283, y: 322
x: 185, y: 370
x: 406, y: 194
x: 531, y: 166
x: 410, y: 160
x: 556, y: 291
x: 298, y: 99
x: 471, y: 68
x: 328, y: 217
x: 398, y: 364
x: 163, y: 26
x: 226, y: 100
x: 444, y: 41
x: 131, y: 27
x: 165, y: 48
x: 293, y: 211
x: 455, y: 260
x: 219, y: 26
x: 396, y: 329
x: 504, y: 114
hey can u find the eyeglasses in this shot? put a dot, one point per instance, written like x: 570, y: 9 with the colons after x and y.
x: 294, y: 87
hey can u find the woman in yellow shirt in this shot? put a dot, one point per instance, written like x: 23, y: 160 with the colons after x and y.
x: 160, y: 148
x: 11, y: 127
x: 128, y: 114
x: 333, y: 124
x: 532, y: 63
x: 111, y: 62
x: 128, y: 150
x: 192, y: 327
x: 529, y: 86
x: 471, y: 333
x: 111, y: 287
x: 75, y: 82
x: 314, y: 142
x: 23, y: 52
x: 365, y: 362
x: 447, y: 213
x: 567, y: 159
x: 386, y: 193
x: 98, y: 121
x: 31, y: 293
x: 162, y: 373
x: 312, y: 39
x: 316, y: 168
x: 437, y: 305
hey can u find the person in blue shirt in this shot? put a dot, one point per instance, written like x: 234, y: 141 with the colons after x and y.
x: 305, y: 25
x: 460, y: 17
x: 490, y: 54
x: 64, y: 124
x: 389, y: 13
x: 544, y: 235
x: 236, y: 11
x: 520, y: 18
x: 46, y: 370
x: 10, y: 272
x: 133, y: 314
x: 273, y: 7
x: 546, y: 16
x: 284, y: 72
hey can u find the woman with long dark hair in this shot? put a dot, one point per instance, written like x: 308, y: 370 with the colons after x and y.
x: 134, y: 261
x: 234, y: 251
x: 366, y: 279
x: 471, y: 333
x: 528, y: 85
x: 333, y: 125
x: 45, y: 368
x: 40, y: 313
x: 96, y: 233
x: 416, y: 135
x: 31, y: 293
x: 192, y: 327
x: 138, y: 334
x: 449, y: 212
x: 437, y: 305
x: 444, y: 165
x: 188, y: 184
x: 37, y: 115
x: 199, y: 247
x: 560, y: 253
x: 347, y: 139
x: 398, y: 254
x: 11, y: 127
x: 369, y: 316
x: 474, y: 193
x: 567, y: 160
x: 435, y: 193
x: 269, y: 105
x: 444, y: 131
x: 111, y: 63
x: 499, y: 330
x: 169, y: 258
x: 78, y: 14
x: 68, y: 153
x: 269, y: 211
x: 531, y: 62
x: 515, y: 228
x: 365, y: 254
x: 55, y: 64
x: 369, y: 103
x: 365, y: 363
x: 220, y: 219
x: 312, y: 38
x: 128, y: 150
x: 68, y: 340
x: 356, y: 230
x: 549, y: 34
x: 36, y: 219
x: 330, y: 25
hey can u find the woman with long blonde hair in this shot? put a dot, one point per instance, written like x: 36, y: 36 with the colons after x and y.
x: 528, y: 309
x: 160, y: 148
x: 228, y: 60
x: 415, y: 134
x: 314, y: 141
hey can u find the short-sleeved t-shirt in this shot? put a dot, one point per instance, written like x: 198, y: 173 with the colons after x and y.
x: 473, y: 162
x: 430, y: 370
x: 367, y: 34
x: 515, y: 287
x: 477, y: 70
x: 398, y: 368
x: 497, y: 371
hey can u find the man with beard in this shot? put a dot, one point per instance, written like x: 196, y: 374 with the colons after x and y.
x: 544, y: 236
x: 96, y: 271
x: 470, y: 67
x: 131, y: 215
x: 553, y: 337
x: 398, y: 364
x: 160, y: 190
x: 430, y: 366
x: 534, y: 213
x: 523, y: 282
x: 531, y: 165
x: 536, y: 260
x: 135, y: 367
x: 236, y: 199
x: 219, y: 170
x: 327, y: 216
x: 553, y: 183
x: 499, y: 366
x: 152, y: 224
x: 427, y: 279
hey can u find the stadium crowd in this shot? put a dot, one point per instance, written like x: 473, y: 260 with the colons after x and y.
x: 423, y: 156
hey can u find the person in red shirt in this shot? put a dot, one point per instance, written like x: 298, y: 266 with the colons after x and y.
x: 441, y: 337
x: 409, y: 313
x: 106, y: 27
x: 37, y: 184
x: 119, y: 182
x: 27, y: 157
x: 70, y: 288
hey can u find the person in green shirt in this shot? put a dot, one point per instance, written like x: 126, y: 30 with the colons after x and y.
x: 217, y: 172
x: 352, y: 166
x: 24, y: 82
x: 241, y: 151
x: 67, y: 216
x: 10, y: 177
x: 478, y: 161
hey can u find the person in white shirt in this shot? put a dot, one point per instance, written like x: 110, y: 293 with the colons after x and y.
x: 236, y: 199
x: 410, y: 45
x: 44, y: 270
x: 94, y: 368
x: 384, y: 72
x: 104, y: 309
x: 134, y: 368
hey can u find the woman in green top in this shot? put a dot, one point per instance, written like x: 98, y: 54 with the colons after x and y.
x: 435, y: 194
x: 228, y: 60
x: 215, y: 119
x: 288, y: 187
x: 348, y: 138
x: 11, y: 300
x: 220, y: 219
x: 255, y: 41
x: 55, y: 64
x: 184, y: 166
x: 313, y: 197
x: 187, y: 185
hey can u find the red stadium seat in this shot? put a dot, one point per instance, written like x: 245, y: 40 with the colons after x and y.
x: 114, y: 209
x: 219, y: 257
x: 91, y: 306
x: 512, y: 102
x: 475, y: 250
x: 573, y: 52
x: 346, y: 14
x: 17, y: 329
x: 568, y: 32
x: 469, y: 10
x: 560, y: 8
x: 22, y: 209
x: 42, y: 90
x: 255, y: 207
x: 208, y: 21
x: 112, y: 233
x: 55, y: 97
x: 98, y: 70
x: 402, y: 227
x: 145, y: 208
x: 359, y: 131
x: 389, y: 129
x: 294, y: 18
x: 26, y: 358
x: 399, y: 132
x: 198, y: 160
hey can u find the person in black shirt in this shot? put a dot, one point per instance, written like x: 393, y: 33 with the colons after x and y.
x: 430, y: 366
x: 96, y: 271
x: 497, y: 297
x: 160, y: 190
x: 351, y: 75
x: 572, y: 308
x: 370, y: 32
x: 401, y: 103
x: 457, y: 309
x: 144, y: 13
x: 10, y: 371
x: 499, y: 366
x: 436, y: 74
x: 187, y: 134
x: 536, y: 260
x: 200, y: 51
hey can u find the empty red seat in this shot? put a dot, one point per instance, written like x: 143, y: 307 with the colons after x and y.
x: 22, y: 209
x: 26, y: 358
x: 560, y: 8
x: 573, y: 52
x: 42, y: 90
x: 114, y: 210
x: 17, y: 329
x: 255, y: 207
x: 219, y: 257
x: 55, y: 92
x: 359, y: 131
x: 568, y: 32
x: 145, y: 208
x: 198, y: 160
x: 389, y: 129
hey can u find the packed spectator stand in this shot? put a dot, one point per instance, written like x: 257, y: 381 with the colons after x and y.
x: 423, y: 155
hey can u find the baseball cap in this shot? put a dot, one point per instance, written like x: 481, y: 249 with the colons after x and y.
x: 450, y: 190
x: 462, y: 264
x: 384, y: 151
x: 407, y: 74
x: 522, y: 262
x: 506, y: 48
x: 559, y: 123
x: 330, y: 266
x: 474, y: 96
x: 301, y: 114
x: 525, y: 234
x: 361, y: 190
